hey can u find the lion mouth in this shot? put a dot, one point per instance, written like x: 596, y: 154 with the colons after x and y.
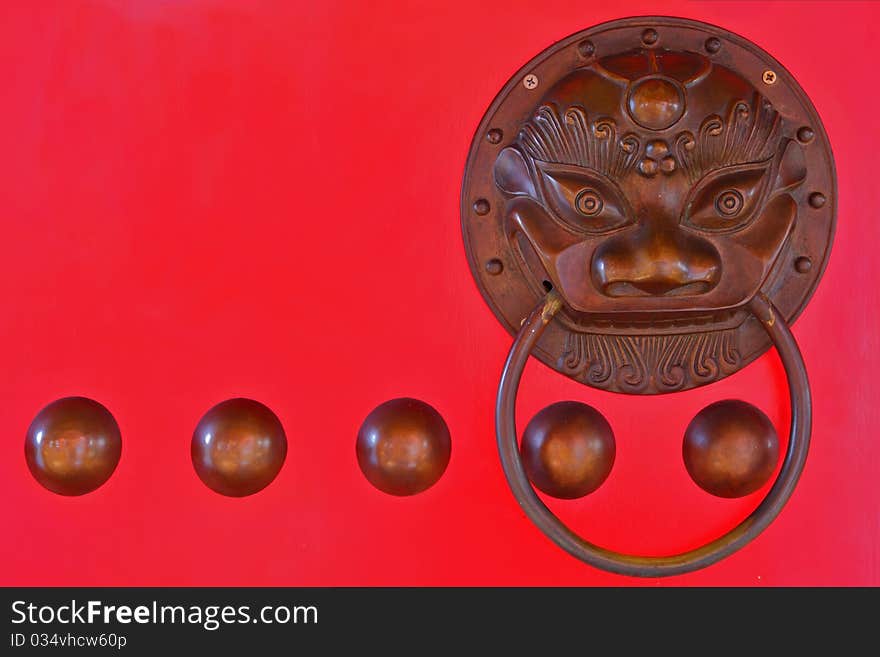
x: 652, y: 324
x: 627, y: 289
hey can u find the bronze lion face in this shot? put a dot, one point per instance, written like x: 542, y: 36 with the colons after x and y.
x: 679, y: 208
x: 652, y: 190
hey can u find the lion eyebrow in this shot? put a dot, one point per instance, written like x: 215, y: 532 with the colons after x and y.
x: 572, y: 139
x: 751, y: 133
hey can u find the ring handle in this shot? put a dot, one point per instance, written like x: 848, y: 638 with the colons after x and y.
x: 653, y: 566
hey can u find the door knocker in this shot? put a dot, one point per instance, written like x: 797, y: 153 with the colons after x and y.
x: 647, y: 205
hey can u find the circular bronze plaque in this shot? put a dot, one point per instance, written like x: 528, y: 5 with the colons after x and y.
x: 657, y: 173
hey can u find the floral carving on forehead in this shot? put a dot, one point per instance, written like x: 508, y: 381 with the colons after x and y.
x: 678, y: 110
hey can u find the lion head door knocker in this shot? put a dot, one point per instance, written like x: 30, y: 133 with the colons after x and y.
x: 647, y: 205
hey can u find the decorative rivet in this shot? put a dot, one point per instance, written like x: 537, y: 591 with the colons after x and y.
x: 481, y: 206
x: 238, y: 447
x: 568, y: 450
x: 712, y: 45
x: 494, y: 136
x: 586, y: 49
x: 730, y: 448
x: 769, y: 77
x: 494, y: 266
x: 803, y: 264
x: 817, y: 199
x: 530, y: 81
x: 403, y: 447
x: 649, y: 36
x: 73, y: 446
x: 805, y: 135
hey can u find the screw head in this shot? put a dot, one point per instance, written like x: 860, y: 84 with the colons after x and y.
x: 530, y: 81
x: 586, y: 49
x: 481, y: 206
x: 805, y: 135
x: 649, y: 37
x: 803, y: 264
x: 817, y: 199
x: 494, y: 267
x: 494, y: 136
x: 712, y: 45
x: 769, y: 77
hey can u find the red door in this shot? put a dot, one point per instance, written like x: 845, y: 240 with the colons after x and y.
x: 214, y: 199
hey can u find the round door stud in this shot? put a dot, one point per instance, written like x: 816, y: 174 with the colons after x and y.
x: 238, y: 447
x: 730, y: 448
x: 73, y: 446
x: 568, y: 450
x: 403, y: 447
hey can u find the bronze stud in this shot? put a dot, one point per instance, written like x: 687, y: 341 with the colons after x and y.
x: 73, y: 446
x: 403, y: 447
x: 481, y: 206
x: 730, y: 448
x: 568, y: 450
x: 238, y: 447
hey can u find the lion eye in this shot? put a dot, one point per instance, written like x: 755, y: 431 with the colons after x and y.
x: 729, y: 203
x: 726, y: 200
x: 588, y: 202
x: 584, y: 200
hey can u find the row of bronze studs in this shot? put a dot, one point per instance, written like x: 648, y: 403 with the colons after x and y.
x: 74, y: 444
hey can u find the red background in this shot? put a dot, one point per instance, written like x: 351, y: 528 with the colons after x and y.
x: 207, y: 199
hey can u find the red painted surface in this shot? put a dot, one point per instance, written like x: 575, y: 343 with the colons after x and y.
x: 208, y: 199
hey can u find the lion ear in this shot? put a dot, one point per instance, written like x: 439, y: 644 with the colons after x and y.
x: 512, y: 173
x: 792, y: 168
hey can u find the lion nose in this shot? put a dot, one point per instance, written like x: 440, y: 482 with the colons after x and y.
x: 655, y: 263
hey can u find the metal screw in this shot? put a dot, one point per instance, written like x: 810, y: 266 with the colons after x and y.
x: 494, y: 266
x: 817, y: 199
x: 494, y: 136
x: 769, y: 77
x: 530, y: 81
x: 650, y: 36
x: 803, y: 264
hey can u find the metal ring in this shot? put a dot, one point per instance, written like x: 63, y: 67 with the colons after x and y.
x: 654, y: 566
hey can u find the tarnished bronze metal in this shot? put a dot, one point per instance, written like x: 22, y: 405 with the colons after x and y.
x: 661, y: 195
x: 568, y: 449
x: 657, y: 181
x: 403, y: 446
x: 730, y: 448
x: 238, y: 447
x: 73, y: 446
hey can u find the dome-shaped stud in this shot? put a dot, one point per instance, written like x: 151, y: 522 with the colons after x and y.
x: 403, y: 446
x: 73, y: 446
x: 238, y: 447
x: 730, y: 448
x: 568, y: 450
